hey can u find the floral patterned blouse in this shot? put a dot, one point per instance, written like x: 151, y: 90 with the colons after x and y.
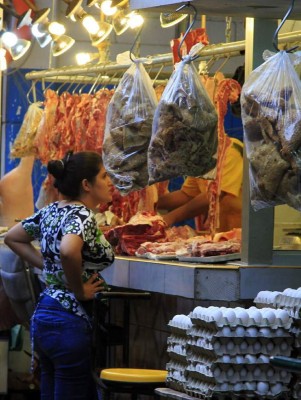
x: 48, y: 226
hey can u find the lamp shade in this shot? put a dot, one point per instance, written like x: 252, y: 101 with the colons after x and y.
x: 19, y: 49
x: 61, y: 44
x: 44, y: 40
x: 104, y: 30
x: 120, y: 22
x: 73, y: 7
x: 3, y: 62
x: 40, y: 15
x: 24, y: 19
x: 170, y: 19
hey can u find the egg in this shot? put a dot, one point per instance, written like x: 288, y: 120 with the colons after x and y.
x: 269, y: 315
x: 230, y: 373
x: 257, y: 373
x: 250, y: 359
x: 243, y: 373
x: 226, y: 358
x: 230, y: 316
x: 283, y: 316
x: 240, y: 331
x: 226, y: 331
x: 256, y: 315
x: 280, y: 332
x: 262, y: 388
x: 216, y: 316
x: 270, y: 373
x: 270, y: 347
x: 276, y: 388
x: 238, y: 387
x: 256, y: 347
x: 230, y: 346
x: 242, y: 315
x: 217, y: 372
x: 243, y: 347
x: 283, y: 347
x: 265, y: 332
x: 252, y: 331
x: 239, y: 359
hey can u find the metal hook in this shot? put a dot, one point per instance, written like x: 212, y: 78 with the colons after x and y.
x: 188, y: 29
x: 95, y: 83
x: 33, y: 91
x: 275, y: 37
x: 134, y: 44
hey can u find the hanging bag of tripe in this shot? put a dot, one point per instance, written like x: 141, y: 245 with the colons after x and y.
x: 271, y: 115
x: 129, y: 128
x: 184, y: 138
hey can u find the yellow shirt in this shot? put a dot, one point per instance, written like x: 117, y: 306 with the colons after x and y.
x: 231, y: 180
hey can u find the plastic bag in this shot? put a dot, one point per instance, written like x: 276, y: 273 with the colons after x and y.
x: 184, y: 138
x: 24, y: 143
x: 128, y: 130
x: 271, y: 114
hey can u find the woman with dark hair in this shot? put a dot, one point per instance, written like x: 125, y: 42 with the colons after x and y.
x: 73, y: 251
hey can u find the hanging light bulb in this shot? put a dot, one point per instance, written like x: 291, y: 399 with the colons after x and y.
x: 17, y: 48
x: 107, y: 9
x: 104, y: 29
x: 135, y: 20
x: 3, y: 62
x: 85, y: 58
x: 90, y: 24
x: 9, y: 39
x: 61, y: 44
x: 55, y: 28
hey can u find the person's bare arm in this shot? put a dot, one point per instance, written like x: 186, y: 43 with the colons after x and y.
x: 18, y: 240
x: 196, y: 206
x: 71, y: 258
x: 173, y: 200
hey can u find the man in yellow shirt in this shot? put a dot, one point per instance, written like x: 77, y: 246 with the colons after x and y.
x: 192, y: 199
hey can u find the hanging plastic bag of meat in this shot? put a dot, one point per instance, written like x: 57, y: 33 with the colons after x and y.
x: 271, y: 114
x: 128, y: 130
x: 184, y: 138
x: 23, y: 145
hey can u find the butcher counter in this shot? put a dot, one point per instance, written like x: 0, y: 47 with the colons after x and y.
x: 232, y: 281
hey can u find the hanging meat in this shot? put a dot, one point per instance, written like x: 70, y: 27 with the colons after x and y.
x: 128, y: 130
x: 24, y: 143
x: 184, y: 138
x: 271, y: 114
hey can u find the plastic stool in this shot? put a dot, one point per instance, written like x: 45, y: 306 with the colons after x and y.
x: 131, y: 380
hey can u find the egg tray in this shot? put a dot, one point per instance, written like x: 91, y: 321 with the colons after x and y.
x: 177, y: 357
x: 239, y: 332
x: 246, y: 390
x: 175, y: 385
x: 177, y: 339
x: 254, y: 373
x: 174, y: 365
x: 232, y: 347
x: 178, y: 328
x: 238, y: 322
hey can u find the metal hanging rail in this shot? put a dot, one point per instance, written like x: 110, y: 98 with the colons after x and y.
x: 219, y: 50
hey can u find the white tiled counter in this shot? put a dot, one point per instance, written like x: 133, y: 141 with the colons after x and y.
x: 226, y: 282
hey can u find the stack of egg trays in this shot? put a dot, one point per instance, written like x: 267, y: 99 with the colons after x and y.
x: 177, y: 351
x: 289, y: 300
x: 229, y: 359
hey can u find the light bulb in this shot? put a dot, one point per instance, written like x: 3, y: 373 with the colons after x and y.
x: 83, y: 58
x: 107, y: 9
x: 90, y: 24
x: 9, y: 39
x: 37, y: 30
x: 135, y: 20
x: 56, y: 28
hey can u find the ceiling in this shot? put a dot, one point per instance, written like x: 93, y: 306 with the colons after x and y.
x: 243, y: 8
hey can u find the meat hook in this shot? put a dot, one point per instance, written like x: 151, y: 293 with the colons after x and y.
x: 135, y: 41
x: 275, y: 37
x: 188, y: 28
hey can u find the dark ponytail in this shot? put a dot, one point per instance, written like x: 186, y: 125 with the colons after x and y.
x: 73, y: 169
